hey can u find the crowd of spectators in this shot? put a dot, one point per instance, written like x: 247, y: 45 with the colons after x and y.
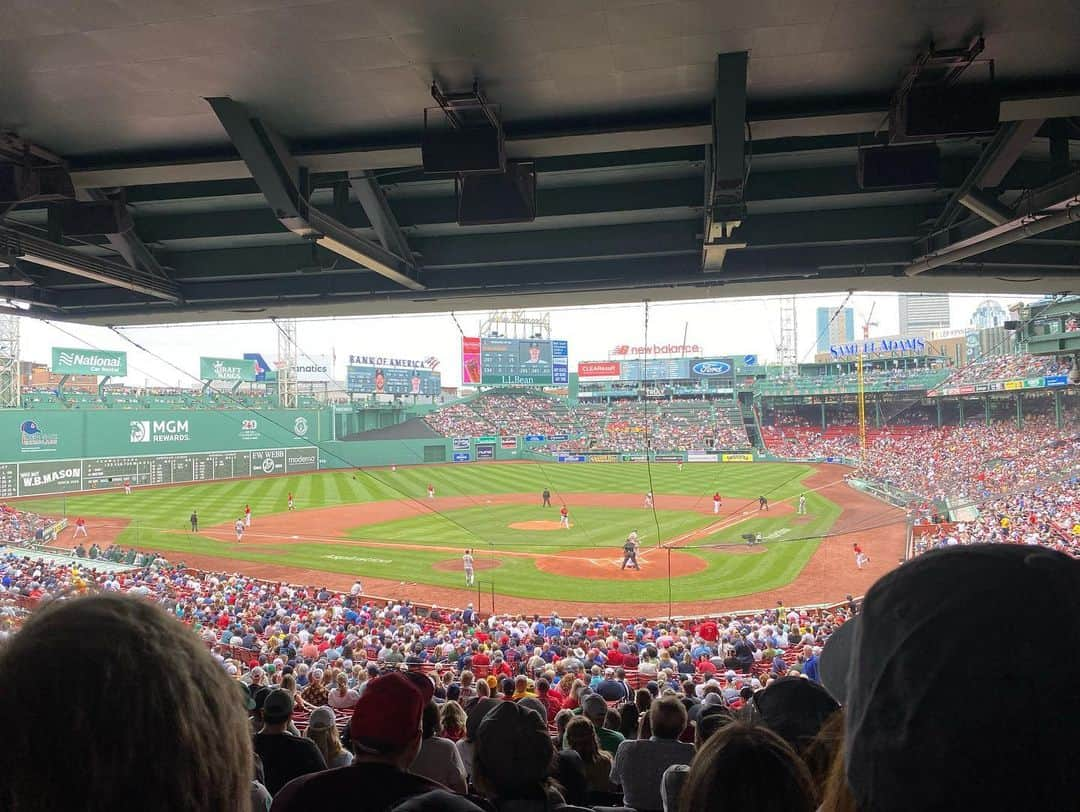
x: 772, y: 710
x: 1007, y: 367
x: 22, y: 527
x: 1045, y: 516
x: 673, y: 425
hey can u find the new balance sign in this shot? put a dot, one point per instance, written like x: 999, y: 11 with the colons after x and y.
x: 69, y: 361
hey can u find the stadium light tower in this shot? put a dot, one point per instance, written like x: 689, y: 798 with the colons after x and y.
x: 9, y: 361
x: 788, y: 349
x: 286, y: 364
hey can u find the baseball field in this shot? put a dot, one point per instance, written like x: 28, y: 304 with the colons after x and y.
x: 381, y: 527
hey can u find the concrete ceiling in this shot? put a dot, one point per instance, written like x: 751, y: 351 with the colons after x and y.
x: 610, y: 98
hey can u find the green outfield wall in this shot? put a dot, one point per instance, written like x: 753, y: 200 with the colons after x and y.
x: 55, y: 452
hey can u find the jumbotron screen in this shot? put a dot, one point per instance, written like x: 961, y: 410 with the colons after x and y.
x: 523, y: 362
x: 373, y: 380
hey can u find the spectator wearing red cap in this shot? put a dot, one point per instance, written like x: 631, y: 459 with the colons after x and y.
x: 385, y: 733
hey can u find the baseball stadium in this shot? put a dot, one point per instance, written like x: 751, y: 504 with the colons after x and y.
x: 611, y: 406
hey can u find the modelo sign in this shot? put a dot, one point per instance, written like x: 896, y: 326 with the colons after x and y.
x: 711, y: 369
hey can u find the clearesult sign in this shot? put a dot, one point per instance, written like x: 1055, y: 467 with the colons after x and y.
x: 228, y: 369
x: 70, y: 361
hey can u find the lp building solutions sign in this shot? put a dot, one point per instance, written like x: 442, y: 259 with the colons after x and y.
x: 68, y: 361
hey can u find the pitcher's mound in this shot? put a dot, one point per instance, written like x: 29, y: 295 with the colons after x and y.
x: 538, y: 524
x: 605, y: 563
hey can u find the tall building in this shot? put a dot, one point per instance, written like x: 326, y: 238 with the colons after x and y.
x: 922, y: 312
x: 834, y: 330
x: 988, y: 314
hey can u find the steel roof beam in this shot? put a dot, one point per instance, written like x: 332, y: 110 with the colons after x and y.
x: 525, y: 145
x: 280, y: 180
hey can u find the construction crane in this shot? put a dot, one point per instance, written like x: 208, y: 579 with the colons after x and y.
x: 861, y: 402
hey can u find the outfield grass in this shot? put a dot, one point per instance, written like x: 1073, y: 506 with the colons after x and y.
x: 156, y: 513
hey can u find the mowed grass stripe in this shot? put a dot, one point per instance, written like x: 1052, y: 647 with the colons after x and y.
x: 152, y: 510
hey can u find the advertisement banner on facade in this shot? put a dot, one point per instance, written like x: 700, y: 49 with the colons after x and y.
x: 509, y: 443
x: 460, y: 443
x: 635, y: 457
x: 599, y: 370
x: 523, y: 362
x: 1056, y: 380
x: 603, y: 458
x: 470, y: 360
x: 668, y: 458
x: 736, y: 457
x: 534, y: 438
x: 490, y: 438
x: 571, y: 458
x: 73, y: 361
x: 1011, y: 385
x: 700, y: 456
x: 228, y: 369
x: 461, y: 456
x: 485, y: 451
x: 314, y: 369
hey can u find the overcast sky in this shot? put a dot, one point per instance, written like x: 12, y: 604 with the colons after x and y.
x: 720, y: 326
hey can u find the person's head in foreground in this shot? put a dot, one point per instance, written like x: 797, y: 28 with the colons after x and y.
x: 932, y: 725
x: 747, y: 767
x: 139, y: 713
x: 514, y: 755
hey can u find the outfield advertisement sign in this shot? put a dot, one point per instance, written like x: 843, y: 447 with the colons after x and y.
x: 701, y: 456
x: 40, y: 477
x: 461, y: 456
x: 509, y: 443
x: 460, y: 443
x: 558, y: 438
x: 736, y: 457
x: 485, y: 451
x: 573, y: 458
x: 603, y: 458
x: 668, y: 458
x: 535, y: 438
x: 73, y: 361
x: 228, y: 369
x: 1044, y: 382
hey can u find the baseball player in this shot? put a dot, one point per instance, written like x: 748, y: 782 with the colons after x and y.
x: 802, y: 504
x: 292, y: 505
x: 194, y: 519
x: 247, y: 515
x: 564, y: 517
x: 430, y: 491
x: 127, y: 486
x: 239, y: 528
x: 716, y: 502
x: 630, y: 547
x: 467, y: 563
x: 80, y: 528
x: 546, y: 497
x: 648, y: 500
x: 762, y: 503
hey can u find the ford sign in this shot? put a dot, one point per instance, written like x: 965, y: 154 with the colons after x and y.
x: 710, y: 368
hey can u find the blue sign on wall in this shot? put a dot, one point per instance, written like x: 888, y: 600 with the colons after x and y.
x: 461, y: 456
x: 557, y: 437
x: 534, y: 438
x: 570, y: 458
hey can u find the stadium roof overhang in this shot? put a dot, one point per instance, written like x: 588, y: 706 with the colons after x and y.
x: 268, y: 162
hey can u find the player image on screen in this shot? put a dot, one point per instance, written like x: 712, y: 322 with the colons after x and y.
x: 414, y: 384
x: 380, y: 382
x: 535, y: 355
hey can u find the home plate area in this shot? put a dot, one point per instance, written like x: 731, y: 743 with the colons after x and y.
x: 600, y: 563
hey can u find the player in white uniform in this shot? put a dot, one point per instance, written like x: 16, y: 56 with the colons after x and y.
x: 802, y: 504
x: 467, y: 563
x: 239, y: 527
x: 648, y: 500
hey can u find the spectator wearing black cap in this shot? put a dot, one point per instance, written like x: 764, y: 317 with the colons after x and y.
x: 927, y: 725
x: 385, y: 735
x: 283, y: 755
